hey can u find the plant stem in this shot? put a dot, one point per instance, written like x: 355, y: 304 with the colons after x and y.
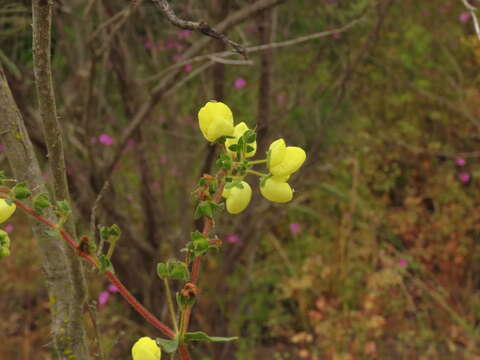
x: 152, y: 319
x: 258, y: 161
x: 256, y: 173
x: 171, y: 308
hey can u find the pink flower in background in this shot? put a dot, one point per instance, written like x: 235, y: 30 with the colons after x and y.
x: 240, y: 83
x: 337, y: 36
x: 183, y: 34
x: 103, y: 298
x: 188, y: 67
x: 460, y: 161
x: 295, y: 228
x: 148, y: 44
x: 155, y: 185
x: 171, y: 44
x: 131, y: 143
x: 105, y: 139
x: 464, y: 17
x: 2, y: 148
x: 112, y: 288
x: 160, y: 45
x: 176, y: 57
x: 232, y: 238
x: 163, y: 159
x: 464, y: 177
x: 8, y: 228
x: 424, y: 13
x: 403, y: 263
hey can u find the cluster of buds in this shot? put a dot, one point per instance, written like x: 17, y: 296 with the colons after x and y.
x: 217, y: 125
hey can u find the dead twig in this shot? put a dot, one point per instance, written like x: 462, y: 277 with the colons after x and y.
x: 199, y: 26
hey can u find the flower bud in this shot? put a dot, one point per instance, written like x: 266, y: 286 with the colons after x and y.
x: 6, y: 210
x: 237, y: 198
x: 146, y: 349
x: 285, y: 160
x: 276, y: 189
x: 238, y: 131
x: 4, y: 244
x: 215, y: 120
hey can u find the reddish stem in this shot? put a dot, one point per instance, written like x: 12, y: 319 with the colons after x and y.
x: 207, y: 227
x: 152, y: 319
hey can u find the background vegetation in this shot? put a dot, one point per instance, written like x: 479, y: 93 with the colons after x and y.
x: 377, y: 256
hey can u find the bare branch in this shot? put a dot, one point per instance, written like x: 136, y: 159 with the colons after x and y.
x: 473, y: 10
x: 199, y: 26
x: 258, y: 48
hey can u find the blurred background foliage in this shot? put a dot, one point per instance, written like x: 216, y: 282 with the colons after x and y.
x: 376, y: 257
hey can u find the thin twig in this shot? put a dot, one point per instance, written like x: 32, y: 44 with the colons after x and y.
x: 199, y: 26
x: 258, y: 48
x: 473, y: 10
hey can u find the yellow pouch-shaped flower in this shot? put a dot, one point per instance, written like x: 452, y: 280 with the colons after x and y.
x: 146, y: 349
x: 237, y: 199
x: 238, y: 131
x: 6, y: 210
x: 276, y: 189
x: 285, y: 160
x: 215, y: 120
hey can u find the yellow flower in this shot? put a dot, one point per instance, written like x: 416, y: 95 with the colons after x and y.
x: 285, y: 160
x: 215, y: 120
x: 237, y: 199
x: 238, y: 131
x: 146, y: 349
x: 6, y: 210
x: 277, y: 189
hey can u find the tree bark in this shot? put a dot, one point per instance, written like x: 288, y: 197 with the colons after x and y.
x: 67, y: 330
x: 42, y: 23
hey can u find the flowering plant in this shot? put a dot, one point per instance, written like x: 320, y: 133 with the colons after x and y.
x: 228, y: 188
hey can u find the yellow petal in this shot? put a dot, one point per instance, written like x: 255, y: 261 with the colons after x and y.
x: 277, y: 152
x: 6, y: 210
x: 219, y: 127
x: 215, y: 120
x: 238, y: 131
x: 146, y: 349
x: 238, y: 199
x: 293, y: 159
x: 277, y: 190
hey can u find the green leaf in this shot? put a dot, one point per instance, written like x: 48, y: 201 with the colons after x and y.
x: 174, y: 269
x: 21, y: 191
x: 52, y: 233
x: 251, y: 138
x: 233, y: 147
x: 207, y: 208
x: 41, y: 202
x: 250, y: 148
x: 105, y: 264
x: 110, y: 233
x: 201, y: 336
x: 180, y: 271
x: 162, y: 270
x: 169, y: 346
x: 63, y: 208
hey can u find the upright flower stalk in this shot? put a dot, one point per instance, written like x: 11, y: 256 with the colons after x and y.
x: 227, y: 189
